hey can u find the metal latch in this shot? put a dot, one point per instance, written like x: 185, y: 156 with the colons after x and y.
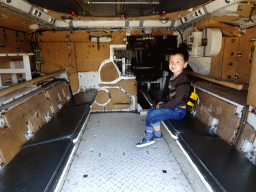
x: 47, y: 117
x: 29, y: 134
x: 60, y: 106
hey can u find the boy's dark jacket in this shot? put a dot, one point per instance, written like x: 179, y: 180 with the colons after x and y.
x: 178, y: 92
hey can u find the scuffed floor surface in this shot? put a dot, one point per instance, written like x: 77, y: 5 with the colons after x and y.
x: 108, y: 160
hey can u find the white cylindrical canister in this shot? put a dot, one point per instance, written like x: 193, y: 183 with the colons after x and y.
x: 198, y: 37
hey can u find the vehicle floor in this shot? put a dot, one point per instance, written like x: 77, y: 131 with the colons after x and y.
x: 108, y: 160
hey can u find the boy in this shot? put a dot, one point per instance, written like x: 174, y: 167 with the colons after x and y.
x: 174, y: 105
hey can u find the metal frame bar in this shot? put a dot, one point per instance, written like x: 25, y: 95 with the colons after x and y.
x: 25, y: 7
x: 25, y: 70
x: 252, y: 118
x: 132, y: 97
x: 194, y: 15
x: 131, y: 2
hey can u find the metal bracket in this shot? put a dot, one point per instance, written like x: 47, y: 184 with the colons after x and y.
x: 52, y: 109
x: 132, y: 97
x: 59, y: 106
x: 2, y: 122
x: 47, y: 117
x: 214, y: 125
x: 109, y: 95
x: 29, y: 133
x: 249, y: 150
x: 251, y: 119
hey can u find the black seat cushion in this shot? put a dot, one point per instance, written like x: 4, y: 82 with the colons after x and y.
x: 188, y: 125
x: 36, y: 168
x: 87, y: 97
x: 66, y: 124
x: 220, y: 163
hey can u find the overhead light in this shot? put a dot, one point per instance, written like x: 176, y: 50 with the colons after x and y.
x: 33, y: 27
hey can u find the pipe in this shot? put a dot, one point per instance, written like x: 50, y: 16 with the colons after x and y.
x: 27, y: 83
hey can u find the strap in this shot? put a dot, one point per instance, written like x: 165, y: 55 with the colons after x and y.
x: 191, y: 100
x: 194, y: 89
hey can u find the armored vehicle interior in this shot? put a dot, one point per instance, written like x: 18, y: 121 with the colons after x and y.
x: 78, y: 76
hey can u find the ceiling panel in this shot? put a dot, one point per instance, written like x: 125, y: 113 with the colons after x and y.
x: 116, y: 8
x: 173, y: 5
x: 63, y: 6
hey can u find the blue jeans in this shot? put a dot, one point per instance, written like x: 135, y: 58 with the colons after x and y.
x: 155, y: 115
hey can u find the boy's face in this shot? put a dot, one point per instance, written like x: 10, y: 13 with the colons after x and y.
x: 177, y: 64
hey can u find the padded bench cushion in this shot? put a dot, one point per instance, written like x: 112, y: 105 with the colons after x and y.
x: 188, y: 125
x: 87, y: 97
x: 36, y: 168
x: 223, y: 166
x: 66, y: 124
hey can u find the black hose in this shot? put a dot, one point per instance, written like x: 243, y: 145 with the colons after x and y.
x: 181, y: 36
x: 250, y: 17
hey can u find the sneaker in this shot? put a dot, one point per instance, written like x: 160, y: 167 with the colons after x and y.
x: 157, y: 138
x: 145, y: 142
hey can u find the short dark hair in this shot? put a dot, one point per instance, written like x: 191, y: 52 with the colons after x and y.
x: 181, y: 51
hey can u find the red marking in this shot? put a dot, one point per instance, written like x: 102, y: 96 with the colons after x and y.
x: 122, y: 16
x: 163, y: 13
x: 73, y: 13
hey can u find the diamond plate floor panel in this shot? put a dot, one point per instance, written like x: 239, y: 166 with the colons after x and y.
x: 108, y: 160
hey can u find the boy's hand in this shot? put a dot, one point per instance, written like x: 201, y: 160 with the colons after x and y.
x: 157, y: 106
